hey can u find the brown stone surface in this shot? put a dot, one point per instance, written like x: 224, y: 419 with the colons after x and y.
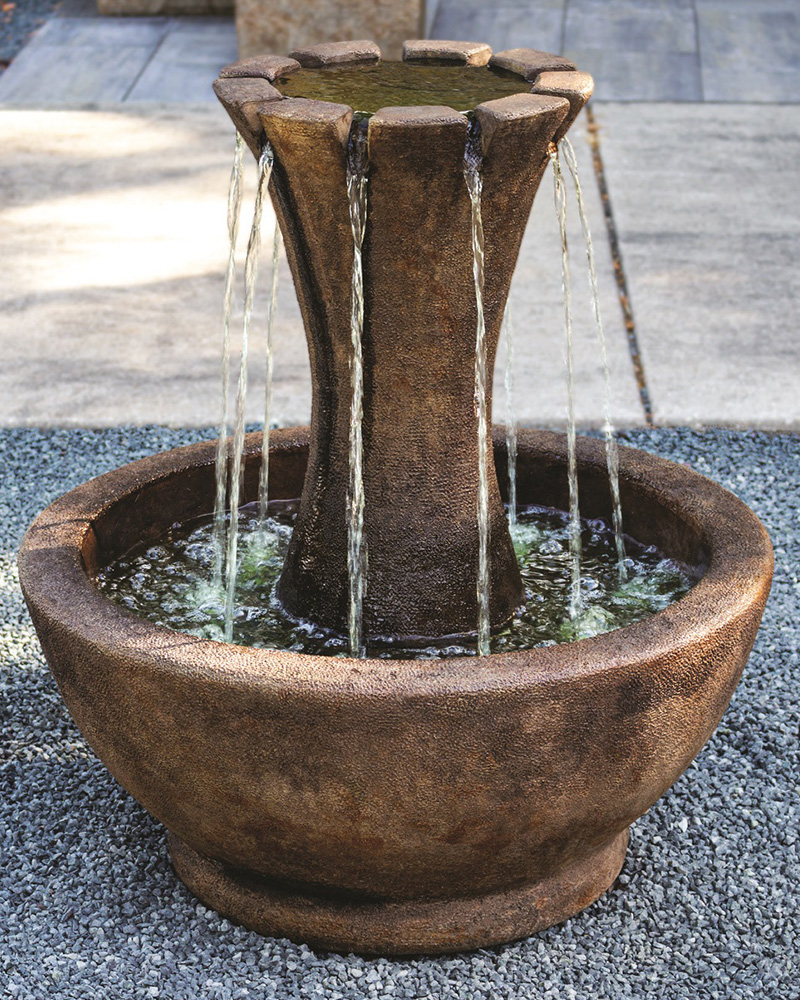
x: 283, y: 25
x: 530, y: 62
x: 399, y: 928
x: 435, y: 50
x: 265, y: 66
x: 420, y: 320
x: 420, y: 521
x: 337, y: 53
x: 242, y: 99
x: 349, y: 782
x: 576, y: 87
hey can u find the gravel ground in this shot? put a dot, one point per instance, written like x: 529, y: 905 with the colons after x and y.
x: 706, y: 906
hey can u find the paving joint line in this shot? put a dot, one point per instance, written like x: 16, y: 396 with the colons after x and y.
x: 563, y: 27
x: 698, y: 50
x: 167, y: 28
x: 619, y: 270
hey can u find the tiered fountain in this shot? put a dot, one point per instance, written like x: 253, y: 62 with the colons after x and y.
x: 406, y: 805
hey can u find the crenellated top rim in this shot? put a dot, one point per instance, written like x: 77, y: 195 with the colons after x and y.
x: 247, y: 87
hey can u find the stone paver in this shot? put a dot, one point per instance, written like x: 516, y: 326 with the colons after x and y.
x: 73, y: 61
x: 637, y: 50
x: 179, y: 69
x: 751, y: 52
x: 115, y: 251
x: 114, y: 259
x: 705, y: 199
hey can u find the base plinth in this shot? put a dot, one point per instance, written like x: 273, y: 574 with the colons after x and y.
x: 398, y: 928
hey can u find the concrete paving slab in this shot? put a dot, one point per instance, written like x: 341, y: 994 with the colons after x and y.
x: 53, y: 75
x: 101, y: 31
x: 750, y: 52
x: 705, y: 199
x: 114, y: 255
x: 508, y: 25
x: 187, y: 61
x: 636, y: 51
x: 631, y: 25
x: 81, y: 60
x: 640, y: 76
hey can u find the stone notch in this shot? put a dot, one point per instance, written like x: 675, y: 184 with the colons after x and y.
x: 576, y: 87
x: 434, y: 50
x: 336, y: 54
x: 242, y: 97
x: 265, y: 66
x: 529, y: 63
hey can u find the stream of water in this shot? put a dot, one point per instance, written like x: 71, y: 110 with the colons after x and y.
x: 220, y: 506
x: 473, y: 160
x: 237, y: 464
x: 612, y: 451
x: 357, y: 163
x: 263, y: 482
x: 560, y: 195
x: 511, y: 418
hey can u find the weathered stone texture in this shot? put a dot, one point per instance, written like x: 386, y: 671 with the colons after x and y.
x: 284, y: 25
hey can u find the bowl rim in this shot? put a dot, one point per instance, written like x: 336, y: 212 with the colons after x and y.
x: 737, y: 580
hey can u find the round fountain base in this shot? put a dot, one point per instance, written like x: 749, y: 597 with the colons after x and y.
x: 400, y: 806
x: 406, y: 927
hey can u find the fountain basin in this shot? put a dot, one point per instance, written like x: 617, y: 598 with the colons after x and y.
x: 406, y: 806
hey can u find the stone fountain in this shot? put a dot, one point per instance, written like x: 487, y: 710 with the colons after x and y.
x: 399, y: 806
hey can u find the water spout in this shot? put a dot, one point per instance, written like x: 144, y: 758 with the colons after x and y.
x: 263, y: 485
x: 572, y: 459
x: 220, y: 520
x: 473, y: 160
x: 357, y: 164
x: 612, y: 451
x: 237, y: 464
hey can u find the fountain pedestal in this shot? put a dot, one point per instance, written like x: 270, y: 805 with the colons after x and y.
x: 420, y: 424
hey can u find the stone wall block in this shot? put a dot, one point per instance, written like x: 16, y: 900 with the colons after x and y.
x: 337, y: 54
x: 242, y: 98
x: 529, y: 63
x: 285, y: 25
x: 264, y: 66
x: 576, y: 87
x: 434, y: 50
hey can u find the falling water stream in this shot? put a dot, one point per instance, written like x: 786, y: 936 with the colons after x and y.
x: 220, y: 518
x: 237, y: 464
x: 511, y: 419
x: 612, y: 451
x: 263, y: 483
x: 356, y: 544
x: 473, y: 160
x: 572, y: 459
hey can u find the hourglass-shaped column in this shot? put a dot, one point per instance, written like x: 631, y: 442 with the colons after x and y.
x: 420, y: 425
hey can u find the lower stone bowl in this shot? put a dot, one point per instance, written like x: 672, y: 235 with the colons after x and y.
x: 398, y: 807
